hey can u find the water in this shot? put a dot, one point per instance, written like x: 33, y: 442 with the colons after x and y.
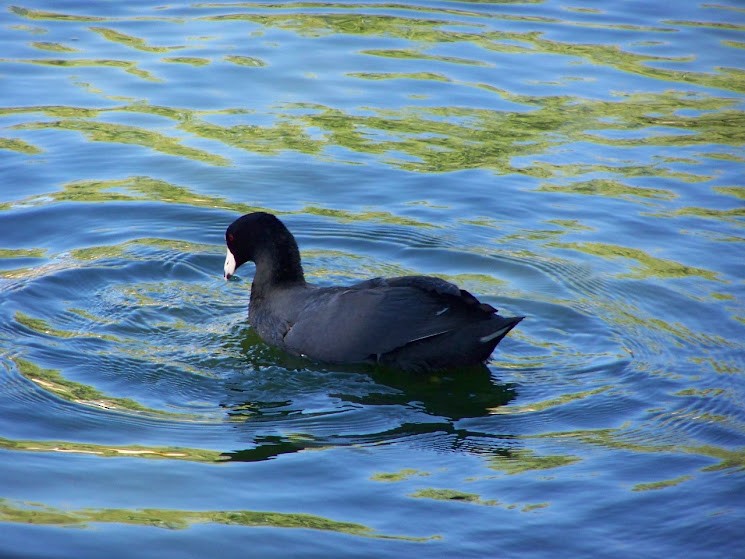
x: 577, y: 163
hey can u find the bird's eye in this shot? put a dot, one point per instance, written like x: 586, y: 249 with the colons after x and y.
x: 231, y: 238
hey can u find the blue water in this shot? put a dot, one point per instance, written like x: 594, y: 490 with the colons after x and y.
x: 577, y: 163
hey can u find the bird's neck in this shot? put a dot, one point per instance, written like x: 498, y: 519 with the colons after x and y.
x: 276, y: 269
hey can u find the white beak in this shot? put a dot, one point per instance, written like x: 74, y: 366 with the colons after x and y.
x: 229, y: 265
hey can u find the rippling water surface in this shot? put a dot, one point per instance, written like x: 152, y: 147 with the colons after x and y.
x: 579, y: 163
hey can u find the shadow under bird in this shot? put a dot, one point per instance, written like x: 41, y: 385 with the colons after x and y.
x: 415, y: 323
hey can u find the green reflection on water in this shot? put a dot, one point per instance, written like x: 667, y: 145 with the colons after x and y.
x: 119, y: 133
x: 734, y: 215
x: 649, y: 266
x: 41, y: 326
x: 661, y: 484
x: 400, y: 475
x: 409, y: 54
x: 631, y: 317
x: 29, y: 28
x: 137, y: 188
x: 736, y: 191
x: 369, y: 6
x: 709, y: 24
x: 28, y: 513
x: 734, y: 459
x: 194, y: 61
x: 57, y: 16
x: 570, y: 224
x: 720, y: 366
x: 615, y: 57
x: 53, y: 47
x: 583, y: 10
x: 475, y: 282
x: 702, y: 393
x: 119, y: 451
x: 431, y: 76
x: 284, y: 135
x: 52, y: 381
x: 51, y: 16
x: 315, y: 24
x: 129, y: 40
x: 546, y: 404
x: 63, y: 111
x: 723, y: 7
x: 723, y: 156
x: 541, y: 169
x: 453, y: 495
x: 22, y: 253
x: 144, y: 188
x: 94, y: 253
x: 429, y: 30
x: 616, y: 439
x: 369, y: 215
x: 445, y: 139
x: 246, y: 61
x: 608, y: 187
x: 127, y: 66
x: 524, y: 460
x: 14, y: 144
x: 432, y: 31
x: 121, y: 250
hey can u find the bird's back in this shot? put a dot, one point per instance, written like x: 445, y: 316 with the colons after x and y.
x: 413, y: 322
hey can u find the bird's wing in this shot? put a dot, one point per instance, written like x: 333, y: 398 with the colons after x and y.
x: 425, y: 283
x: 354, y: 324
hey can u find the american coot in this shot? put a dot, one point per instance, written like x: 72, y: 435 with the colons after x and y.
x: 409, y: 322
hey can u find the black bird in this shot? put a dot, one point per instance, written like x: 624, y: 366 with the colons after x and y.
x: 410, y: 322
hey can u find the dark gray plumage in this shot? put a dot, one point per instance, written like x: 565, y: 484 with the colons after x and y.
x: 410, y: 322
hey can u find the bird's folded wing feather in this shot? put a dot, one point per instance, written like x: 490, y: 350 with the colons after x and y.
x: 425, y: 283
x: 353, y: 324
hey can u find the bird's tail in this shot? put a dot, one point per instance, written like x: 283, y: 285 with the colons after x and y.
x: 500, y: 326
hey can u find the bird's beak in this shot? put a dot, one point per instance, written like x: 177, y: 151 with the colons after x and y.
x: 229, y: 265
